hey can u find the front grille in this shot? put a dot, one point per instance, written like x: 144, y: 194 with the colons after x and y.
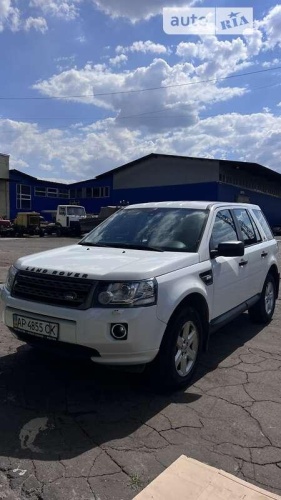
x: 57, y: 290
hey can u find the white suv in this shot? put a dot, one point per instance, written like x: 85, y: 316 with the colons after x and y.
x: 147, y: 286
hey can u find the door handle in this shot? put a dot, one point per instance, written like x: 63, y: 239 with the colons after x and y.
x: 243, y: 263
x: 264, y: 254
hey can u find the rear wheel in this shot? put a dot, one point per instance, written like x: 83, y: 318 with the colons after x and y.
x: 180, y: 350
x: 263, y: 310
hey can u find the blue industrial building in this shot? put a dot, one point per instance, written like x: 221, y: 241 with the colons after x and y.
x: 154, y: 177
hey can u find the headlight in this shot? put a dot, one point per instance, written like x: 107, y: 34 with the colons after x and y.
x: 126, y: 294
x: 11, y: 278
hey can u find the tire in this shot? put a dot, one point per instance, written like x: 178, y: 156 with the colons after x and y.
x: 263, y: 310
x: 41, y: 234
x: 58, y: 232
x: 179, y: 354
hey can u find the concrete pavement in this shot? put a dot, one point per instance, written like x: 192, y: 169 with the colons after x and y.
x: 76, y: 431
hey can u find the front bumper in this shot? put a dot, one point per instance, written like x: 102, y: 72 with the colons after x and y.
x: 91, y: 329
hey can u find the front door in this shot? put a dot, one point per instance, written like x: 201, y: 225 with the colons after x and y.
x: 229, y: 273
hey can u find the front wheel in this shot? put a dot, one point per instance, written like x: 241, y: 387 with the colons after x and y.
x: 263, y: 310
x: 180, y: 350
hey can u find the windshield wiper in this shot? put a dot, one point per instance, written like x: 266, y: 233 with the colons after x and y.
x: 135, y: 246
x: 84, y: 244
x: 131, y: 246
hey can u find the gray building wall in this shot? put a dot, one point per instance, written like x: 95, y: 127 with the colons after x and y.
x: 4, y: 186
x: 166, y: 172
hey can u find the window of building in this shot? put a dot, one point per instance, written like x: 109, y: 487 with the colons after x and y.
x: 90, y: 192
x: 101, y: 192
x: 52, y: 192
x: 23, y: 197
x: 105, y: 192
x: 63, y: 193
x: 39, y: 191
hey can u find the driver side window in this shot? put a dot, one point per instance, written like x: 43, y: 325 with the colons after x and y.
x: 223, y: 230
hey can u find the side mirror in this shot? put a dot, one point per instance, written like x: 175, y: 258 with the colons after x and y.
x: 229, y: 249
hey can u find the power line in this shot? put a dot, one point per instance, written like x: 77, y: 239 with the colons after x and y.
x: 161, y: 110
x: 148, y: 89
x: 125, y: 117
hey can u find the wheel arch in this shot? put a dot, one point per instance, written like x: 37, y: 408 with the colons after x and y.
x: 199, y: 303
x: 274, y: 271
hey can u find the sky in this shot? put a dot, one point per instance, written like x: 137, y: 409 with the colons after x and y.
x: 89, y: 85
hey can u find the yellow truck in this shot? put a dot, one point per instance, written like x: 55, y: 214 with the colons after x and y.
x: 28, y: 223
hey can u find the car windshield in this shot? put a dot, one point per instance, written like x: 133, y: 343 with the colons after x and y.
x: 162, y: 229
x: 76, y: 211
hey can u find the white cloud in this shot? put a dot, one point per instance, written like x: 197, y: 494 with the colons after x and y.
x: 181, y: 96
x: 145, y: 47
x: 271, y: 26
x: 37, y: 23
x: 87, y: 151
x: 18, y: 163
x: 220, y: 58
x: 136, y: 10
x: 81, y: 39
x: 272, y: 63
x: 9, y: 15
x: 5, y: 6
x: 65, y: 62
x: 45, y: 166
x: 57, y: 179
x: 118, y: 60
x: 64, y: 9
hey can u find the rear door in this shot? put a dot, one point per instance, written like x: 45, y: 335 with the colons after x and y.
x: 269, y: 246
x: 255, y: 254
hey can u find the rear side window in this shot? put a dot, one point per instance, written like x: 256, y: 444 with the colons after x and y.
x: 264, y: 224
x: 223, y: 230
x: 246, y: 226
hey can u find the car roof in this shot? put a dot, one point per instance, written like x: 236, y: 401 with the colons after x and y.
x: 203, y: 205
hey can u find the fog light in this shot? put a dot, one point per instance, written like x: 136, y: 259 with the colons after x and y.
x: 119, y: 331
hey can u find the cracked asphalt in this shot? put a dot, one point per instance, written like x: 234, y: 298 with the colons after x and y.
x: 70, y: 430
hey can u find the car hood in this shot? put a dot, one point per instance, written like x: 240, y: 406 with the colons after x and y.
x: 106, y: 263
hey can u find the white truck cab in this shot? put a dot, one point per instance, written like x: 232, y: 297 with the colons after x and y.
x: 68, y: 217
x: 147, y: 286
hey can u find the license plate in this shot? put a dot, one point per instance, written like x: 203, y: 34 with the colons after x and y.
x: 36, y: 327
